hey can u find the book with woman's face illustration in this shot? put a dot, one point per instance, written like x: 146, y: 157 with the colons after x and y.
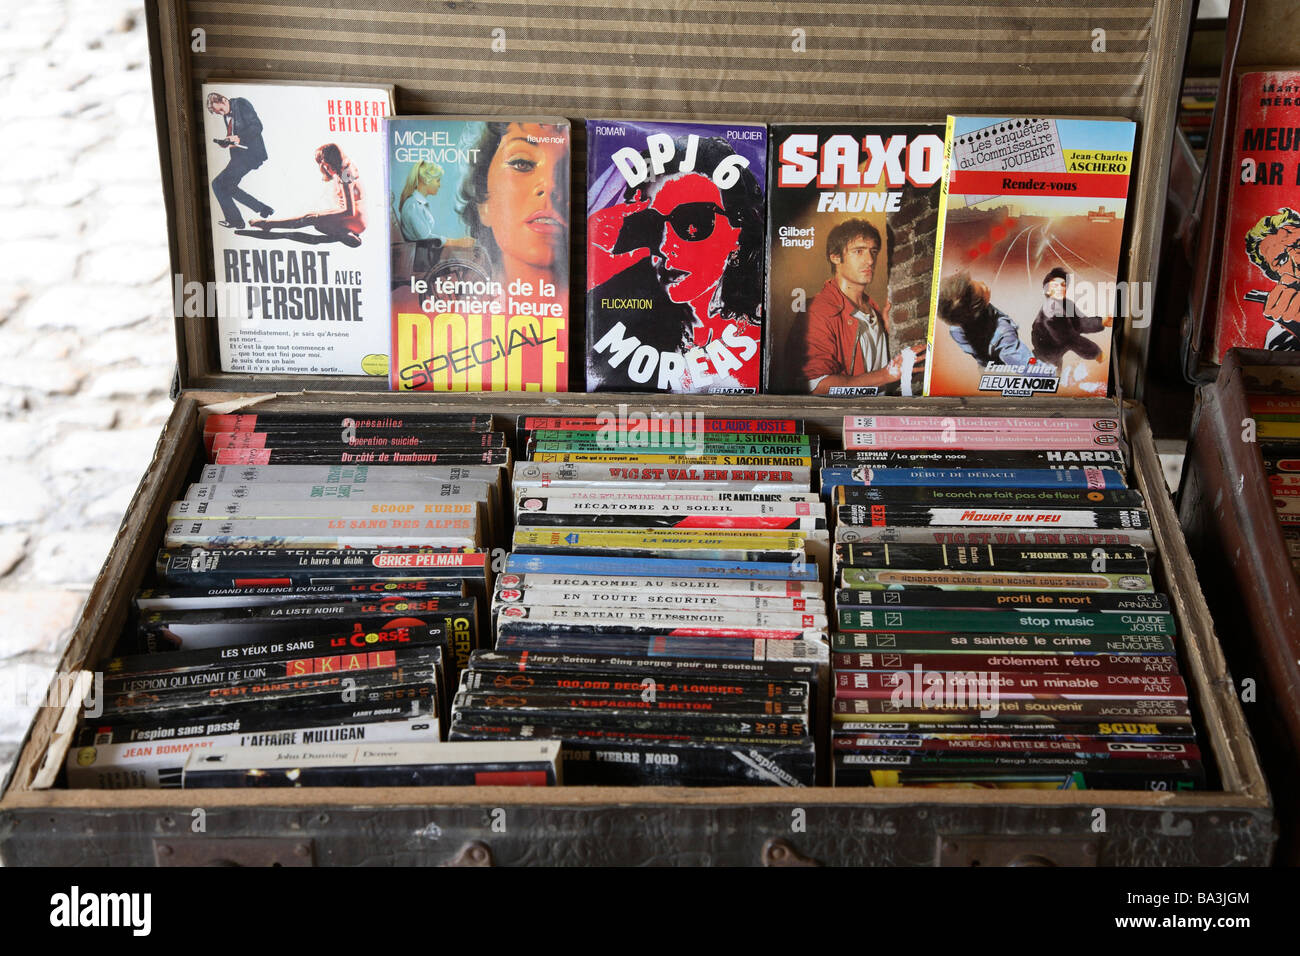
x: 479, y: 222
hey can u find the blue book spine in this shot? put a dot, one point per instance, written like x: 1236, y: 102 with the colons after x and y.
x: 974, y: 477
x: 659, y: 567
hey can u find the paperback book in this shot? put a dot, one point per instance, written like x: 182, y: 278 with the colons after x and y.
x: 676, y: 223
x: 851, y: 229
x: 1259, y: 297
x: 1031, y: 217
x: 294, y: 187
x: 479, y: 265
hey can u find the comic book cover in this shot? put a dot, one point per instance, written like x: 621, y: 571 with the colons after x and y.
x: 294, y: 186
x: 479, y: 265
x: 853, y: 210
x: 676, y: 222
x: 1031, y: 216
x: 1259, y: 291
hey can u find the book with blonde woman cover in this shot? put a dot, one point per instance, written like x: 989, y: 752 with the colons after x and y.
x: 1259, y: 288
x: 479, y: 257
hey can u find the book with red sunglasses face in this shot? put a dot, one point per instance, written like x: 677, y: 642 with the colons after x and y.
x: 852, y: 212
x: 676, y: 243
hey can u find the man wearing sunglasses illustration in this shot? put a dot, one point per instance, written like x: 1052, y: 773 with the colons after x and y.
x: 848, y: 333
x: 689, y: 286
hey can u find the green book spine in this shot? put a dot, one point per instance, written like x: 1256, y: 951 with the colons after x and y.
x: 1005, y: 622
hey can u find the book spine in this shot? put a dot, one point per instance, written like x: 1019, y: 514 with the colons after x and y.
x: 662, y: 423
x: 993, y: 558
x: 984, y: 702
x: 644, y: 477
x: 847, y: 663
x: 1073, y: 538
x: 952, y: 580
x: 981, y: 643
x: 965, y: 423
x: 913, y: 688
x: 657, y: 666
x: 979, y: 441
x: 686, y: 435
x: 997, y: 600
x: 776, y: 460
x: 544, y: 583
x: 1087, y: 477
x: 1003, y: 622
x: 888, y: 514
x: 556, y: 682
x: 587, y: 642
x: 930, y: 496
x: 314, y: 455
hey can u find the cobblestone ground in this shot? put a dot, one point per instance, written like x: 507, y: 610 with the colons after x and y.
x: 86, y: 347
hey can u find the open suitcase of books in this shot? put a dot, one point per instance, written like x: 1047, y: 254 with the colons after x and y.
x: 1059, y: 59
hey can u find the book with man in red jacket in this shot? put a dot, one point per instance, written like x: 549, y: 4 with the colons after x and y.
x: 853, y: 210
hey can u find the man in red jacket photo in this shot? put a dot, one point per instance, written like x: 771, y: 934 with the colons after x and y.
x: 848, y: 333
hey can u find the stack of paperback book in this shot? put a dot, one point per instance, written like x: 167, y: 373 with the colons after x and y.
x: 318, y: 590
x: 997, y: 621
x: 1277, y: 426
x: 662, y: 611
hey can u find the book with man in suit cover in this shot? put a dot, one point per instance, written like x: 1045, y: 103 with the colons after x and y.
x: 299, y: 227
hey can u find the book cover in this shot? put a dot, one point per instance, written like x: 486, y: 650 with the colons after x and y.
x: 676, y: 222
x: 479, y: 265
x: 295, y: 176
x: 1031, y: 217
x: 1259, y: 288
x: 853, y: 210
